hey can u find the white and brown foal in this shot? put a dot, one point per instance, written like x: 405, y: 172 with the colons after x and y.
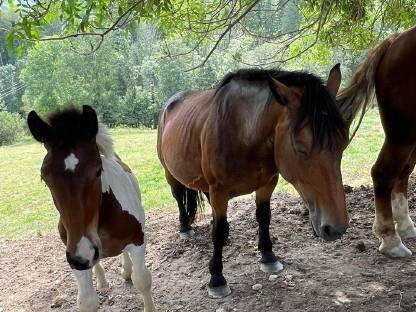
x: 98, y: 200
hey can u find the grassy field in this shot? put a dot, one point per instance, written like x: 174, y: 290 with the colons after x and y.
x: 26, y: 207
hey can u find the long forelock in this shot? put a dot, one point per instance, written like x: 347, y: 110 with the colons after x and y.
x: 67, y: 125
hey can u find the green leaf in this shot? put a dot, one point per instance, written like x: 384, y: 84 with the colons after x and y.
x: 20, y: 50
x: 12, y: 5
x: 10, y: 42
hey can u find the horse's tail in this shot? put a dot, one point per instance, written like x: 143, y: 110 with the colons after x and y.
x: 360, y: 90
x: 192, y: 201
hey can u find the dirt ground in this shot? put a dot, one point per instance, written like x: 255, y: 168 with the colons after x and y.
x: 346, y: 275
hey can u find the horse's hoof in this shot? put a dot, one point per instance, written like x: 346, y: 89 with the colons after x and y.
x: 271, y: 267
x: 186, y: 235
x: 219, y: 291
x: 399, y: 251
x: 409, y: 232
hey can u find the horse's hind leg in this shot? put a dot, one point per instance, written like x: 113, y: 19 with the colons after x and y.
x: 268, y: 262
x: 100, y: 275
x: 87, y: 297
x: 141, y: 277
x: 217, y: 287
x: 126, y: 266
x: 187, y: 204
x: 404, y: 224
x: 386, y: 174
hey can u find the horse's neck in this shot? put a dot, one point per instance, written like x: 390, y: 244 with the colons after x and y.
x: 123, y: 185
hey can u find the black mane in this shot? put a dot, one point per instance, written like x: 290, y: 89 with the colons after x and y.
x: 69, y: 126
x: 317, y: 104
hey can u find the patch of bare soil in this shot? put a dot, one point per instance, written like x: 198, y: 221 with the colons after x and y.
x: 346, y: 275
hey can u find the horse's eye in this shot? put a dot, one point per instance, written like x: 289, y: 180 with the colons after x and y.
x: 99, y: 171
x: 301, y: 150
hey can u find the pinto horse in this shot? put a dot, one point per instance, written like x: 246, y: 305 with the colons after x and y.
x: 238, y: 138
x: 390, y: 69
x: 98, y: 200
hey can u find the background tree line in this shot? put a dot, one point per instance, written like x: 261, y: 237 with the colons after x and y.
x: 128, y: 75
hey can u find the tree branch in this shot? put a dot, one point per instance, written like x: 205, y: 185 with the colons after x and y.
x: 230, y: 26
x: 113, y: 27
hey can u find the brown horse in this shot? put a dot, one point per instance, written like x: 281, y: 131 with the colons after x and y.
x: 238, y: 138
x: 98, y: 200
x: 391, y: 69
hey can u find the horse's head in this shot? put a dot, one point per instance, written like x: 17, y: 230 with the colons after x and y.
x: 310, y: 138
x: 71, y: 169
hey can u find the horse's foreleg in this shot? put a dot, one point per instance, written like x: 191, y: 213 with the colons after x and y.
x: 386, y: 173
x: 218, y: 287
x: 100, y: 275
x: 404, y: 224
x: 268, y: 262
x: 140, y: 276
x: 126, y: 266
x: 87, y: 297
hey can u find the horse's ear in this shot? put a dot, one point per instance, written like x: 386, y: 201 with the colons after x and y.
x: 286, y: 96
x: 334, y: 80
x: 90, y: 121
x: 39, y: 129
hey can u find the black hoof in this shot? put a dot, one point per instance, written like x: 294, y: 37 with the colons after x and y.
x: 218, y: 288
x: 269, y: 263
x: 219, y: 292
x: 186, y: 235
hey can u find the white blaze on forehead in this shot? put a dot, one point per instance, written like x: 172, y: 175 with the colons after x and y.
x: 71, y: 162
x: 124, y: 187
x: 85, y: 249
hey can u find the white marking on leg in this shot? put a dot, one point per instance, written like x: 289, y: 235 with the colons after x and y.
x: 124, y: 187
x: 141, y: 276
x: 100, y: 275
x: 404, y: 224
x: 126, y: 265
x: 391, y: 245
x: 85, y: 250
x: 87, y: 297
x: 71, y: 162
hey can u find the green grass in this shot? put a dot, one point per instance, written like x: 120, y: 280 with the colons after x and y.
x: 25, y: 202
x: 26, y: 207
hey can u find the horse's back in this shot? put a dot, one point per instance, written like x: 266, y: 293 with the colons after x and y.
x: 181, y: 123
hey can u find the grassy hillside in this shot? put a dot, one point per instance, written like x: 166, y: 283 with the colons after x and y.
x: 26, y: 206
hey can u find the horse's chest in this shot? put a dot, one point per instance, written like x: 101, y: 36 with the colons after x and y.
x: 117, y: 228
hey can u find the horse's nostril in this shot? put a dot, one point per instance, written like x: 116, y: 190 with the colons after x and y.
x: 327, y: 230
x: 77, y: 263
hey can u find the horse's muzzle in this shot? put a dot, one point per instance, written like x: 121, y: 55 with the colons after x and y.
x: 331, y: 233
x: 80, y: 264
